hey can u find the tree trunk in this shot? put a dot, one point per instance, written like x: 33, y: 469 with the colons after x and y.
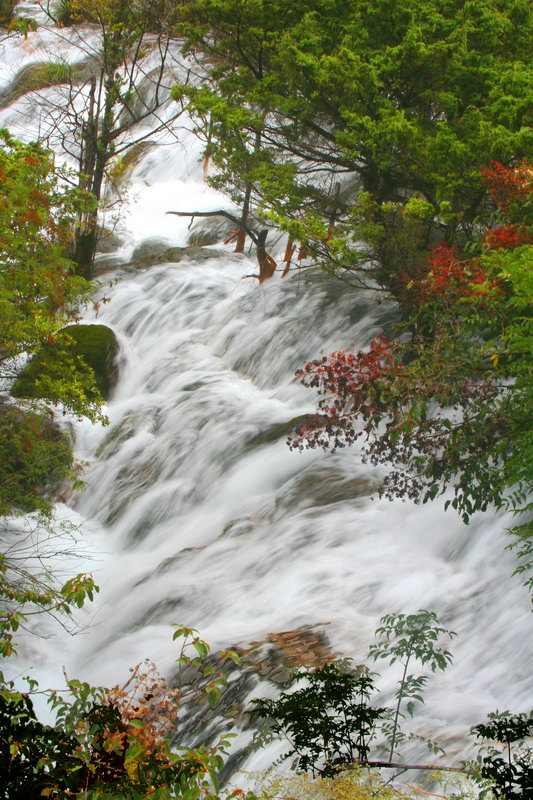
x: 96, y: 152
x: 267, y: 265
x: 241, y: 235
x: 84, y: 249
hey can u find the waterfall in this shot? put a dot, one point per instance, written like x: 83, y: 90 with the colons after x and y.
x: 191, y: 519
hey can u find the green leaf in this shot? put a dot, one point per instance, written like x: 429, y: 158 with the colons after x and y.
x: 137, y: 723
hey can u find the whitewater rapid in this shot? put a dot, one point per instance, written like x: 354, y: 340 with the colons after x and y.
x: 186, y: 519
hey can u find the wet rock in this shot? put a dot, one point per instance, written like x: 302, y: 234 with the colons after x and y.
x: 157, y: 251
x: 109, y: 241
x: 272, y: 658
x: 279, y: 653
x: 210, y: 230
x: 320, y: 486
x: 278, y: 431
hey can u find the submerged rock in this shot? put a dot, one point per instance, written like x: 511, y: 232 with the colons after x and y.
x: 122, y: 167
x: 109, y: 241
x: 319, y: 486
x: 205, y: 231
x: 278, y: 431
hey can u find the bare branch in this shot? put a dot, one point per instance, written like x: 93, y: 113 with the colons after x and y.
x: 220, y: 213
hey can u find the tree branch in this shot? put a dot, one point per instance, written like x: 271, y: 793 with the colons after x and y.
x: 220, y: 213
x: 396, y: 765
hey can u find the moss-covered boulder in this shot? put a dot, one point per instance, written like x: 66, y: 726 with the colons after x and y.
x: 92, y: 347
x: 35, y: 456
x: 41, y: 75
x: 123, y: 166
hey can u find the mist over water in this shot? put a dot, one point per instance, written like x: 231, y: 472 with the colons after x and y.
x: 190, y: 521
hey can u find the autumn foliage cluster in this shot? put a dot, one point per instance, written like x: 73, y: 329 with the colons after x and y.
x: 118, y: 742
x: 448, y: 404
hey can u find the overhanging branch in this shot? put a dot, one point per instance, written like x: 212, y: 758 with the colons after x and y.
x: 220, y: 213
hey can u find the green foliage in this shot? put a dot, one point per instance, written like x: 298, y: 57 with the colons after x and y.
x: 111, y: 743
x: 34, y: 456
x: 197, y: 673
x: 507, y: 775
x: 328, y: 723
x: 411, y: 99
x: 78, y: 363
x: 450, y: 404
x: 39, y: 294
x: 403, y: 638
x: 359, y: 783
x: 125, y: 88
x: 66, y: 13
x: 6, y: 11
x: 29, y: 749
x: 27, y: 587
x: 38, y: 291
x: 23, y: 25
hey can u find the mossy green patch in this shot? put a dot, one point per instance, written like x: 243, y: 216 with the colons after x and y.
x: 6, y: 10
x: 90, y: 347
x: 123, y: 166
x: 39, y: 75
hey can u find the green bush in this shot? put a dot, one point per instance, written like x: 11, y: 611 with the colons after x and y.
x: 88, y: 352
x: 34, y: 457
x: 6, y: 11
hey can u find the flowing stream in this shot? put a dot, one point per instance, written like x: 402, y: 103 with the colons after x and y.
x: 189, y: 519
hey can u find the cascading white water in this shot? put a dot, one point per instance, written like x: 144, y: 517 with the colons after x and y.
x: 191, y: 521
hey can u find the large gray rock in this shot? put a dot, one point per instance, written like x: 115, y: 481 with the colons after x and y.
x: 108, y: 241
x: 209, y: 230
x: 159, y: 251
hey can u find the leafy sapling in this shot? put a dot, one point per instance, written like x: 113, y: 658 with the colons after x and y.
x: 506, y: 770
x: 405, y: 638
x: 197, y: 672
x: 328, y: 722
